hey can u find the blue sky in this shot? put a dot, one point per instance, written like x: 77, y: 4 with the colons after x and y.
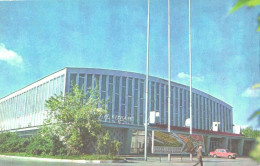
x: 38, y: 38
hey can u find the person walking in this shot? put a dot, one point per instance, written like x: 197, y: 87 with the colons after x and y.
x: 199, y: 156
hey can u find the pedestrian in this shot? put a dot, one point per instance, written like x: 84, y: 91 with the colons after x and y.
x: 199, y: 156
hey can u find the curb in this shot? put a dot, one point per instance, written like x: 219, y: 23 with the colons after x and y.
x: 65, y: 160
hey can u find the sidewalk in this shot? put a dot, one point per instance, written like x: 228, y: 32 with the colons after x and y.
x: 63, y: 160
x: 162, y: 159
x: 125, y: 159
x: 128, y: 161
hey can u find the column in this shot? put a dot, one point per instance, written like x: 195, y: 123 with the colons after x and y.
x: 207, y: 148
x: 127, y: 142
x: 240, y: 146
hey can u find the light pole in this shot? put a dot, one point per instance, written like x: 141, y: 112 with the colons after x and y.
x: 169, y: 73
x: 146, y: 88
x: 190, y: 60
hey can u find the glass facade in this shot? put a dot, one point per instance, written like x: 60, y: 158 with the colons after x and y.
x: 27, y: 109
x: 124, y: 93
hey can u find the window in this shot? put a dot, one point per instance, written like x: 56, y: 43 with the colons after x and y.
x: 172, y: 104
x: 130, y: 96
x: 123, y: 101
x: 135, y: 100
x: 152, y: 96
x: 141, y: 101
x: 157, y: 96
x: 201, y: 111
x: 81, y: 81
x: 210, y: 113
x: 162, y: 104
x: 89, y: 82
x: 117, y: 86
x: 110, y: 96
x: 185, y: 105
x: 73, y: 80
x: 176, y: 106
x: 204, y: 114
x: 96, y: 83
x: 103, y: 87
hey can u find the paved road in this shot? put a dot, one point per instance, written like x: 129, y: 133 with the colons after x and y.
x: 151, y: 162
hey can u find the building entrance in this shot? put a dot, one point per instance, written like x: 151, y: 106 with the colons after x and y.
x: 214, y: 145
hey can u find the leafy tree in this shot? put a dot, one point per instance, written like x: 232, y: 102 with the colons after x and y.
x: 73, y: 119
x: 249, y: 3
x: 255, y: 153
x: 250, y: 132
x: 252, y: 3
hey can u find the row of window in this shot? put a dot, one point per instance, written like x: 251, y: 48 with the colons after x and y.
x: 27, y: 108
x: 125, y: 98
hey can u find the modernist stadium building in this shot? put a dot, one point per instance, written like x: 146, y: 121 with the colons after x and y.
x: 124, y: 92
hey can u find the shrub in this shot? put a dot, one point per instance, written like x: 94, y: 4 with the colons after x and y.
x: 11, y: 142
x: 107, y: 146
x: 39, y: 146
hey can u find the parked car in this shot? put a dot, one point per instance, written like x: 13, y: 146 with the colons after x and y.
x: 222, y: 153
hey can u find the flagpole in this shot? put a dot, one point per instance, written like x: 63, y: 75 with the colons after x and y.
x: 190, y: 60
x: 146, y: 87
x: 169, y: 74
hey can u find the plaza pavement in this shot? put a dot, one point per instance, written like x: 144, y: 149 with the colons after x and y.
x: 130, y: 161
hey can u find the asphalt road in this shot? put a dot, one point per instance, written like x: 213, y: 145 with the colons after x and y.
x: 134, y: 161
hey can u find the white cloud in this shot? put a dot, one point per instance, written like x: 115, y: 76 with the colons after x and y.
x: 10, y: 56
x: 185, y: 76
x: 251, y: 92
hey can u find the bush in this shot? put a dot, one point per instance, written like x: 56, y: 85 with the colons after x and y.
x: 106, y: 146
x: 11, y: 142
x: 39, y: 146
x: 45, y: 145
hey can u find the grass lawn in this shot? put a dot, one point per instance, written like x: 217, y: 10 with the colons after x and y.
x: 79, y: 157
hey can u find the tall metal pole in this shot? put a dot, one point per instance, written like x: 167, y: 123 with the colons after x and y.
x: 146, y: 88
x: 169, y: 74
x: 190, y: 60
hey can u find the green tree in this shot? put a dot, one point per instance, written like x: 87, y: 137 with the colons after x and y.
x: 255, y: 154
x: 74, y: 119
x: 249, y: 3
x: 249, y: 132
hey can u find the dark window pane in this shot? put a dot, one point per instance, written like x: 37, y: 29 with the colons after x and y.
x: 162, y: 104
x: 81, y: 81
x: 73, y: 80
x: 96, y: 83
x: 117, y: 84
x: 89, y: 81
x: 130, y: 87
x: 104, y: 83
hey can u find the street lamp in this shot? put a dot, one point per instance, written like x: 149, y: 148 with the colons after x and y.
x: 190, y: 60
x: 169, y: 73
x: 146, y: 87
